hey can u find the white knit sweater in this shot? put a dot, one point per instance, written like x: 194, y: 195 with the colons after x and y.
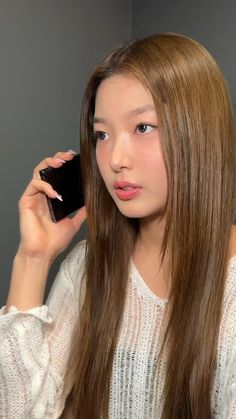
x: 34, y: 346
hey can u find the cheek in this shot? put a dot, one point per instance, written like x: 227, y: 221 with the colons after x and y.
x: 156, y: 171
x: 152, y: 159
x: 161, y: 174
x: 162, y: 179
x: 101, y: 157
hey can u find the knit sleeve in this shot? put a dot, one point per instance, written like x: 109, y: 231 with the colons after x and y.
x: 230, y: 406
x: 229, y: 393
x: 226, y: 386
x: 34, y: 347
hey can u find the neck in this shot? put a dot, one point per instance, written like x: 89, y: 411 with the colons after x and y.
x: 149, y: 241
x: 148, y: 258
x: 151, y: 233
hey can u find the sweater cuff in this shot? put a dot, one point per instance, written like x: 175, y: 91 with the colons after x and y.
x: 41, y: 313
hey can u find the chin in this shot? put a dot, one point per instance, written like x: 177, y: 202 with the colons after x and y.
x: 136, y: 212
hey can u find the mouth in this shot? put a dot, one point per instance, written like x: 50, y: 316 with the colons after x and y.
x: 125, y: 185
x: 126, y: 191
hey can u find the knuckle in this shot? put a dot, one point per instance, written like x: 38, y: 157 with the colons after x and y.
x: 45, y: 162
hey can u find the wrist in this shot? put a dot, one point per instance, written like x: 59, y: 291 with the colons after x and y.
x: 33, y: 257
x: 27, y: 260
x: 28, y: 281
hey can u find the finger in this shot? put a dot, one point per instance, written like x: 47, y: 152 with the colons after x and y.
x: 65, y: 154
x: 49, y: 161
x: 79, y: 218
x: 56, y: 161
x: 36, y: 186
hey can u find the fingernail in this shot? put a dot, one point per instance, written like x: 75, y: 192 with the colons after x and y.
x: 71, y: 152
x: 60, y: 160
x: 58, y: 196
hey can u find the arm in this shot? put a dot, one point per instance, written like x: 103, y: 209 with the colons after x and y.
x: 35, y: 337
x: 35, y: 345
x: 41, y: 239
x: 24, y: 292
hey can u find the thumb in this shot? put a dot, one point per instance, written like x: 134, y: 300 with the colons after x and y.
x: 78, y: 219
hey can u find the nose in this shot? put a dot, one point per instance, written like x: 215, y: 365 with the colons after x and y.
x: 120, y: 157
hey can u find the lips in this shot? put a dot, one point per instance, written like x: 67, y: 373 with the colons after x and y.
x: 126, y: 190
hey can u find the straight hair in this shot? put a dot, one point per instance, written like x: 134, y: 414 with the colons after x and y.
x: 198, y: 143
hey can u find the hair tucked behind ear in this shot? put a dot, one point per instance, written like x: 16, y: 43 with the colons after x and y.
x: 198, y: 142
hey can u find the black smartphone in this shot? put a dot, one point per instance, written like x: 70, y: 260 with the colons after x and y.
x: 67, y: 181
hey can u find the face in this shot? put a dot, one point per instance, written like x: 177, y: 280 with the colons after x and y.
x: 128, y: 149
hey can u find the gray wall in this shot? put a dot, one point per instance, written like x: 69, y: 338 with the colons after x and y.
x: 210, y: 22
x: 48, y: 49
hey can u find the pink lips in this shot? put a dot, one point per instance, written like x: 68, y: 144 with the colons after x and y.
x: 126, y: 190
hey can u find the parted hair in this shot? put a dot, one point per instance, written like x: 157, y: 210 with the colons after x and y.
x: 198, y: 143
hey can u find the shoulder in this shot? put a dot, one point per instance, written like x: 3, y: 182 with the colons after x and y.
x: 68, y: 281
x: 76, y: 256
x: 227, y: 337
x: 73, y: 265
x: 224, y: 382
x: 228, y: 322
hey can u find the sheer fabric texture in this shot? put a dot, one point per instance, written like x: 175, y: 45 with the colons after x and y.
x: 35, y: 346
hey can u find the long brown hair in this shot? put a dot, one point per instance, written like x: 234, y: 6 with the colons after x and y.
x: 198, y: 143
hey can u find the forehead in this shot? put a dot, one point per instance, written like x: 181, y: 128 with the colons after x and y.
x: 122, y: 91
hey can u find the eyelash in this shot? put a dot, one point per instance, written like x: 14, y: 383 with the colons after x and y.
x: 142, y: 124
x: 97, y: 133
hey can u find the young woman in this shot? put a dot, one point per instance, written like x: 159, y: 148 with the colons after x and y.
x: 141, y: 319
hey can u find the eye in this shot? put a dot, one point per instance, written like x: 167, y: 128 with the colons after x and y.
x: 145, y: 128
x: 100, y: 136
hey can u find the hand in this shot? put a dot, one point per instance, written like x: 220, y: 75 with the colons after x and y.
x: 40, y: 236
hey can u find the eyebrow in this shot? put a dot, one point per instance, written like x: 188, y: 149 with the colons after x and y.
x: 137, y: 111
